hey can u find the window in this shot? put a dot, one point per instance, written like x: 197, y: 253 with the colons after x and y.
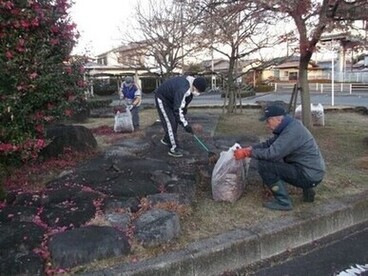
x: 102, y: 61
x: 293, y: 76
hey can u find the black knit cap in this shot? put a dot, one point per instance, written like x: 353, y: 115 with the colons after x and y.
x: 200, y: 83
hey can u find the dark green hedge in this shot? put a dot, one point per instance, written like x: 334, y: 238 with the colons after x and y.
x: 263, y: 88
x: 92, y: 104
x: 105, y: 87
x: 243, y: 94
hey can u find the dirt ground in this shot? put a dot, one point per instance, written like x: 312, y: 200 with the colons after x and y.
x: 344, y: 144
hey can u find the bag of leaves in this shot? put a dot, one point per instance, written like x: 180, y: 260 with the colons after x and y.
x: 228, y: 177
x: 123, y: 121
x: 317, y: 114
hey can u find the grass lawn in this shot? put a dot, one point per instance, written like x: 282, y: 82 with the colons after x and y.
x: 344, y: 144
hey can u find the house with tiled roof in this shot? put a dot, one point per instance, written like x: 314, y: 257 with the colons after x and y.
x: 287, y: 69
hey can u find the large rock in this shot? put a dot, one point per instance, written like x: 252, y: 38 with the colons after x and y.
x: 118, y: 220
x: 111, y: 204
x: 87, y: 244
x: 63, y: 137
x: 156, y: 227
x: 22, y: 264
x: 17, y: 213
x: 17, y: 242
x: 19, y: 237
x: 63, y: 209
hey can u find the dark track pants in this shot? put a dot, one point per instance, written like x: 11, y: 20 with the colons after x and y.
x: 168, y: 121
x: 135, y: 116
x: 271, y: 172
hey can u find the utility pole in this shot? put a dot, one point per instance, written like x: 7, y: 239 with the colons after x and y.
x: 182, y: 35
x: 213, y: 77
x: 332, y: 80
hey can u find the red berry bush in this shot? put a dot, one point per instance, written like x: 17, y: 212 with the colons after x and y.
x: 39, y: 82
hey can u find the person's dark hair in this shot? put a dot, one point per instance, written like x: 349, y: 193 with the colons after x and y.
x: 200, y: 83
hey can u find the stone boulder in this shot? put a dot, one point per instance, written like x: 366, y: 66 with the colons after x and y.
x: 16, y: 237
x: 87, y: 244
x: 78, y: 138
x: 18, y: 240
x: 64, y: 209
x: 156, y: 227
x: 28, y: 263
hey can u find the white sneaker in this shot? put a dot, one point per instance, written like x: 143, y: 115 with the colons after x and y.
x: 175, y: 153
x: 164, y: 142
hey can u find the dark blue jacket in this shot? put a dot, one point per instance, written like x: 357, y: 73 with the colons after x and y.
x: 176, y: 94
x: 129, y: 91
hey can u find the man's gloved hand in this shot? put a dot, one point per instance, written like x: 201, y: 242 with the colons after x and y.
x: 242, y: 153
x: 130, y: 106
x: 188, y: 129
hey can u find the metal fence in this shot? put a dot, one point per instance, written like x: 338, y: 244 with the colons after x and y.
x: 348, y: 76
x: 345, y: 82
x: 361, y: 77
x: 317, y: 87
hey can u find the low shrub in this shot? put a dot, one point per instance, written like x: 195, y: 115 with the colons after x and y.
x: 243, y: 94
x: 263, y: 88
x: 105, y: 87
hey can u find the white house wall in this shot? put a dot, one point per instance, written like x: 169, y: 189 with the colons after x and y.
x: 112, y: 59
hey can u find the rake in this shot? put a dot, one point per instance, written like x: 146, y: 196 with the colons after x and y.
x: 211, y: 154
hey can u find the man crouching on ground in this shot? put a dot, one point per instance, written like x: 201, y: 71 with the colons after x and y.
x: 291, y: 155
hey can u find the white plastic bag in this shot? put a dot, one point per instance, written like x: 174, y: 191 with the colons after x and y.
x: 228, y: 177
x: 317, y: 114
x: 123, y: 121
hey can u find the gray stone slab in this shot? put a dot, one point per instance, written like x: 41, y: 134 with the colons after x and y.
x: 87, y: 244
x: 242, y: 247
x: 156, y: 227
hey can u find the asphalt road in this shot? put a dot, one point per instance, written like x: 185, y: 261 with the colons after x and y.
x: 341, y: 256
x: 326, y: 99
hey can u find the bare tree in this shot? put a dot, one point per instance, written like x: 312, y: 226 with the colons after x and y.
x: 312, y: 19
x: 166, y: 35
x: 236, y: 30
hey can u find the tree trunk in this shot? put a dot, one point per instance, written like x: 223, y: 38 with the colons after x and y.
x: 305, y: 96
x: 231, y: 86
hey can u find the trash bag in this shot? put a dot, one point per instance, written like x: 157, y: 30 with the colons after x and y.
x: 228, y: 177
x: 317, y: 114
x: 123, y: 121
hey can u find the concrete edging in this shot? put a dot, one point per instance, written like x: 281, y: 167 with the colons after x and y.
x: 240, y: 248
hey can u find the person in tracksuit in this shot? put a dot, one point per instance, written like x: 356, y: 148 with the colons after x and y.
x: 291, y: 155
x: 132, y: 95
x: 172, y: 99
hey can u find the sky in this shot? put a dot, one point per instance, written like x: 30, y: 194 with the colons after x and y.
x: 98, y: 23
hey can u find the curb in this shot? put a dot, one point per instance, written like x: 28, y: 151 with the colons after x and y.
x: 240, y: 248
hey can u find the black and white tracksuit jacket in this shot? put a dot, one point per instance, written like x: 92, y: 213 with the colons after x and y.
x: 172, y: 99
